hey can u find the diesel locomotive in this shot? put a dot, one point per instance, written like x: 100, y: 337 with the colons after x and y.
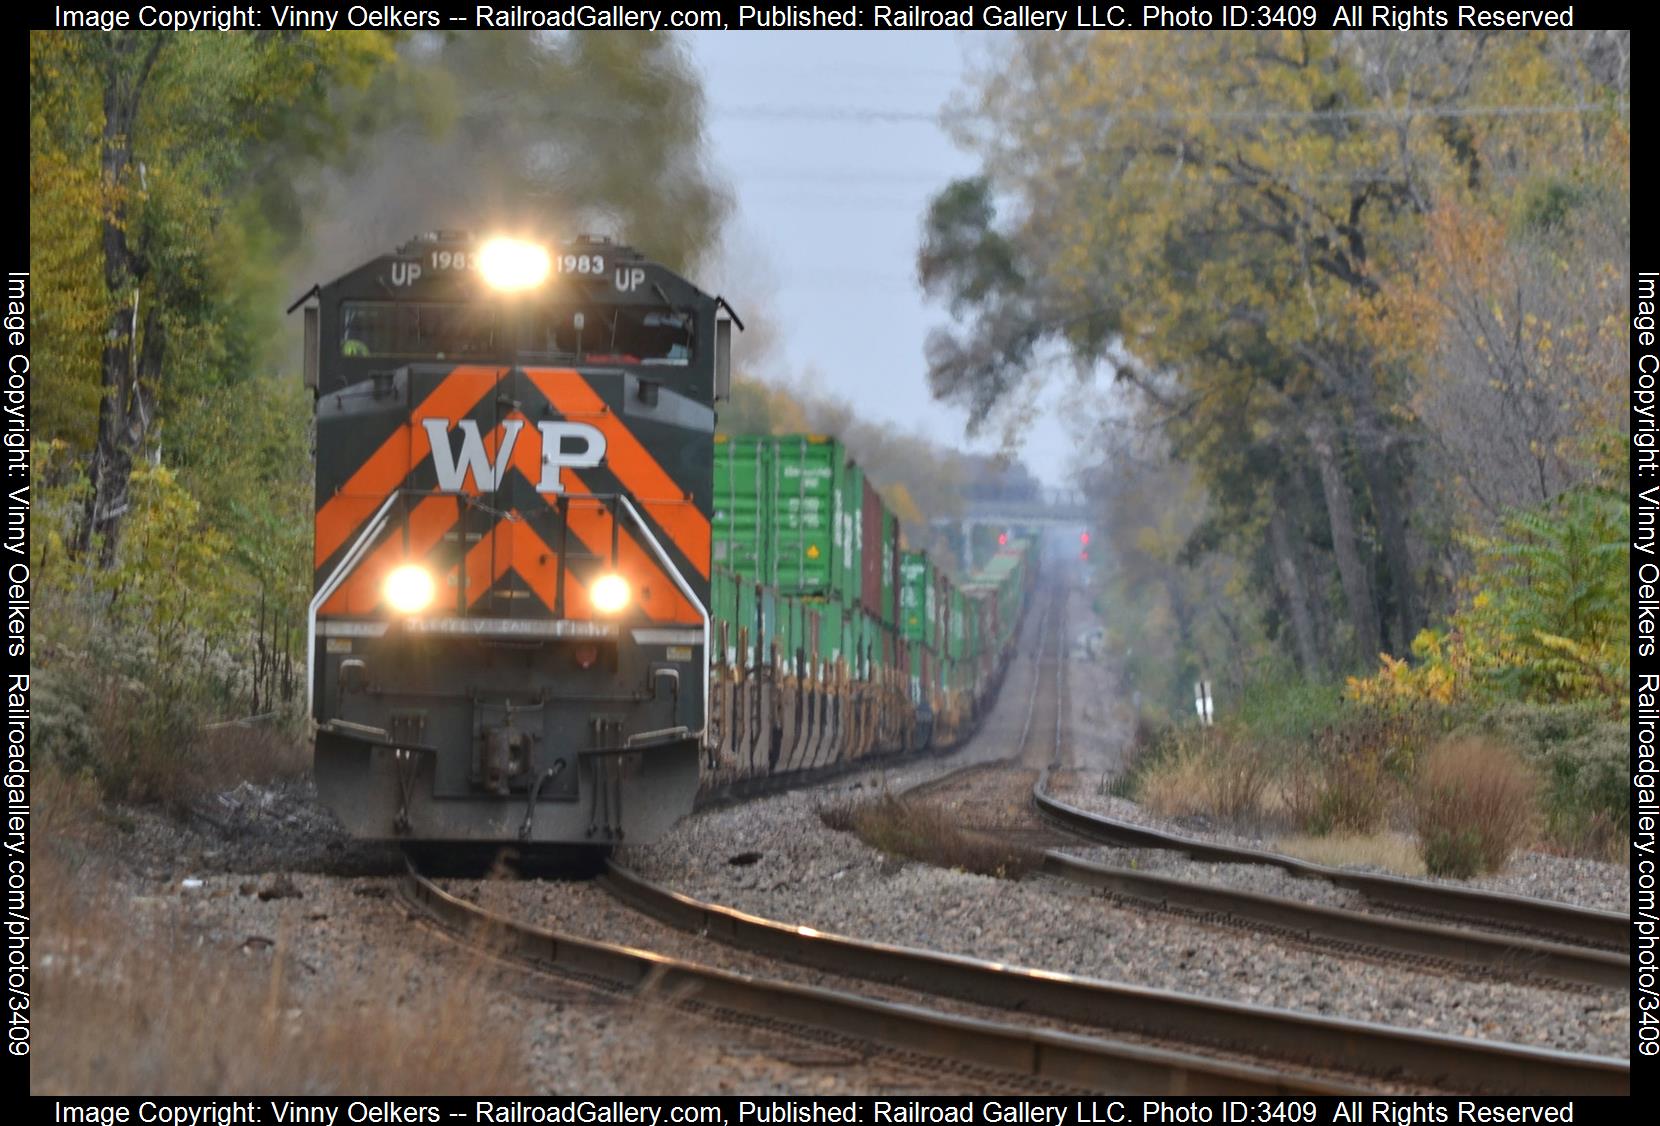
x: 509, y: 628
x: 550, y: 605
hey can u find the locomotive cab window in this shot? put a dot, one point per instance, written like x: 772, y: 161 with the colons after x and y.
x: 385, y: 328
x: 593, y: 334
x: 613, y: 334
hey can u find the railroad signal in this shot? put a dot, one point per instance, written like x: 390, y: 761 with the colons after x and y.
x: 1002, y: 539
x: 1084, y: 555
x: 1083, y: 538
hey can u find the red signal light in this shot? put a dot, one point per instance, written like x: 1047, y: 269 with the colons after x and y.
x: 1083, y: 538
x: 1084, y: 555
x: 1002, y: 539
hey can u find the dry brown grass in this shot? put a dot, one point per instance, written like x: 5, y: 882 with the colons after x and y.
x: 1475, y: 803
x: 138, y: 1005
x: 1344, y: 793
x: 146, y: 758
x: 924, y: 832
x: 1389, y: 851
x: 1209, y: 774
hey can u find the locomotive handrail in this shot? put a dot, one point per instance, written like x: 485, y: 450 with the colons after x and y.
x: 345, y: 567
x: 691, y: 596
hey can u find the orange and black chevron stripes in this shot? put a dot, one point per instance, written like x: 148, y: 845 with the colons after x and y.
x: 631, y: 463
x: 390, y: 465
x: 428, y: 521
x: 520, y: 543
x: 513, y: 545
x: 654, y: 591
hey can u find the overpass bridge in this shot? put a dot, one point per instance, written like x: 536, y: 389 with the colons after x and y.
x: 1052, y: 508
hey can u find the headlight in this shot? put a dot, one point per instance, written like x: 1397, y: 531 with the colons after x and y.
x: 410, y: 589
x: 609, y: 593
x: 511, y: 264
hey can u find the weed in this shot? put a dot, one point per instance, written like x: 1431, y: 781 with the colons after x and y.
x: 159, y: 1013
x: 1475, y: 803
x: 1208, y: 772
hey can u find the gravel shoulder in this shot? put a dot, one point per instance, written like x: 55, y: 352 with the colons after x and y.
x: 587, y: 910
x: 263, y: 884
x: 808, y: 874
x: 262, y: 896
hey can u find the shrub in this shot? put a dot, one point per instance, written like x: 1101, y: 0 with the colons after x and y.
x: 1475, y: 804
x: 1350, y: 776
x: 1290, y: 711
x: 1213, y: 772
x: 1548, y: 619
x: 1581, y: 757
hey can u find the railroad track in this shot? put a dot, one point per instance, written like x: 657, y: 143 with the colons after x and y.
x: 1424, y: 1060
x: 1596, y: 931
x: 1282, y: 1047
x: 1009, y: 799
x: 992, y: 1052
x: 1378, y: 1053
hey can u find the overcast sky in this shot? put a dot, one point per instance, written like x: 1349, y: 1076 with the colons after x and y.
x: 831, y: 144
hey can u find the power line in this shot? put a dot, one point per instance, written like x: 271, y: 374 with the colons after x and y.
x: 877, y: 115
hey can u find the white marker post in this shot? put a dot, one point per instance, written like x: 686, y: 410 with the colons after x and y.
x: 1202, y: 702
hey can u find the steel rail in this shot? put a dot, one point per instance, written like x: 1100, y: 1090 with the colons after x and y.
x: 927, y: 785
x: 1460, y: 947
x: 1433, y: 1060
x: 1056, y: 1057
x: 1584, y: 926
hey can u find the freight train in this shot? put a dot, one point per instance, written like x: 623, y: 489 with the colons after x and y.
x: 550, y: 605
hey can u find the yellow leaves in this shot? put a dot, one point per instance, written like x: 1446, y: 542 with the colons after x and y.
x: 1441, y: 675
x: 900, y: 502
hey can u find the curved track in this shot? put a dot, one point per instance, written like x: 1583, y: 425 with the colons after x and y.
x: 1371, y: 1052
x: 1346, y: 1055
x: 1430, y: 1060
x: 1582, y: 926
x: 909, y: 1031
x: 1010, y: 799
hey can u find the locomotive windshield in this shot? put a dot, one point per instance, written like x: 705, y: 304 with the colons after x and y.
x: 597, y: 333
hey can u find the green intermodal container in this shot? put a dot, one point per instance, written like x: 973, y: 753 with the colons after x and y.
x: 890, y: 567
x: 853, y: 641
x: 917, y: 611
x: 741, y: 524
x: 787, y: 633
x: 870, y: 646
x: 723, y: 612
x: 824, y: 621
x: 787, y: 512
x: 957, y: 646
x: 766, y: 612
x: 814, y: 549
x: 751, y: 653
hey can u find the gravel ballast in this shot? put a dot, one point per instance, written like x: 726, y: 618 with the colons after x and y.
x: 811, y: 875
x: 808, y: 874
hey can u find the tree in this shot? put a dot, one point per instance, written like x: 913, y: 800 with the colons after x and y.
x: 1218, y: 219
x: 171, y: 124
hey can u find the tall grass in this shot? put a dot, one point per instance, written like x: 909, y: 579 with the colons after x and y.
x: 135, y: 1003
x: 1208, y: 772
x: 1475, y: 804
